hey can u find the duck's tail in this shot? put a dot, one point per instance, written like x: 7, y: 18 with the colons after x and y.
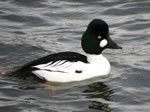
x: 18, y: 72
x: 5, y: 72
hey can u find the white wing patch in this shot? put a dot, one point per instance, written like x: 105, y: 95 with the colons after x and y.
x: 65, y: 71
x: 58, y: 66
x: 60, y: 71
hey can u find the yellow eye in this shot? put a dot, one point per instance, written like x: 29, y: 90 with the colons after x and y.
x: 99, y: 37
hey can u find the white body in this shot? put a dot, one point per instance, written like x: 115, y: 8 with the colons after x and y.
x: 66, y: 72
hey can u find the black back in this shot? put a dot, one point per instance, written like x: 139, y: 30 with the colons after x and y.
x: 67, y: 56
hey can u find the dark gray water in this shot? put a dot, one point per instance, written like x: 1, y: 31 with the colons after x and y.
x: 30, y: 29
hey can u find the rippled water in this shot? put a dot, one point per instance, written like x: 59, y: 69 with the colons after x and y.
x: 30, y: 29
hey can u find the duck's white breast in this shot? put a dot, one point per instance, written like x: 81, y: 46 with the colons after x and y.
x: 99, y: 66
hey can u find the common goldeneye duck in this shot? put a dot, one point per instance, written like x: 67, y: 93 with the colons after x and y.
x: 72, y: 66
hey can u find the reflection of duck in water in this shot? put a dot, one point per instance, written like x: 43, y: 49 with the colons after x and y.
x: 98, y: 93
x: 72, y: 66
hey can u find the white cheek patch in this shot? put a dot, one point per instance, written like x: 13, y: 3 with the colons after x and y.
x: 103, y: 43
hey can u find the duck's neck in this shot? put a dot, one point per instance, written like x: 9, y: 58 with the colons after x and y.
x: 95, y: 59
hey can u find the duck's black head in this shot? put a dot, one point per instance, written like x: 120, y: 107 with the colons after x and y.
x: 96, y: 38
